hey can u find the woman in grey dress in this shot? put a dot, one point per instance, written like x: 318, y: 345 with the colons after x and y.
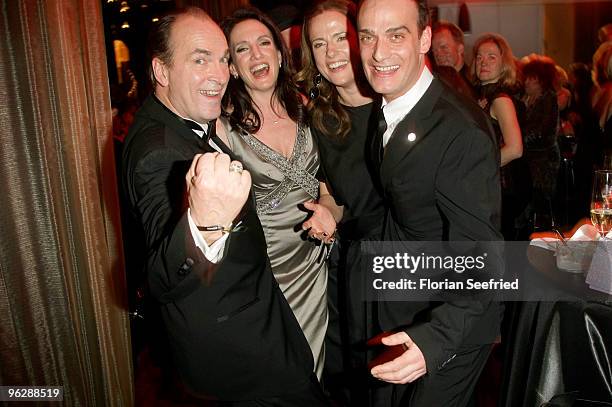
x: 264, y: 126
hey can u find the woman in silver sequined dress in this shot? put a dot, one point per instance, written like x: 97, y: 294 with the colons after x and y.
x: 264, y: 126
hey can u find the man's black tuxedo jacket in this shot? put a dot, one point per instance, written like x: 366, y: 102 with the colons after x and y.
x: 443, y: 185
x: 231, y: 330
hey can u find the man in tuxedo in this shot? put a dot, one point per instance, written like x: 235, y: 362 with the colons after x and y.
x: 233, y: 338
x: 448, y: 46
x: 438, y: 165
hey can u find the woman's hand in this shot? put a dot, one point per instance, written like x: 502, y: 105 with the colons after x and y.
x: 321, y: 225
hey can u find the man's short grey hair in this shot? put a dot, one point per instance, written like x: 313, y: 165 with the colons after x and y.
x: 455, y: 31
x: 158, y: 44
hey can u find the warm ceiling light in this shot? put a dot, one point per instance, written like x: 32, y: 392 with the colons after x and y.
x: 124, y: 7
x: 110, y: 1
x: 125, y: 25
x: 155, y: 19
x: 144, y: 5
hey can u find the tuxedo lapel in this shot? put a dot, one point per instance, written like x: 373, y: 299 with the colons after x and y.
x: 410, y: 131
x: 194, y: 144
x: 160, y: 112
x: 157, y: 111
x: 212, y: 135
x: 376, y: 148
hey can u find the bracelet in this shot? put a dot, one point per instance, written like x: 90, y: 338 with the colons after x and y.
x: 215, y: 228
x: 332, y: 236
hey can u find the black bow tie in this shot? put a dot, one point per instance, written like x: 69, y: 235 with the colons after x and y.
x: 210, y: 135
x: 189, y: 123
x: 196, y: 126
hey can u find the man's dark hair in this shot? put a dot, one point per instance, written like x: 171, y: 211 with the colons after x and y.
x: 424, y: 18
x: 423, y: 11
x: 454, y: 31
x: 158, y: 43
x: 239, y: 105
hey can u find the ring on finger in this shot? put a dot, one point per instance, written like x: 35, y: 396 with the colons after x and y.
x: 235, y: 166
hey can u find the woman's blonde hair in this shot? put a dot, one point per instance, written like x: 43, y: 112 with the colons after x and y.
x: 508, y: 76
x: 602, y: 64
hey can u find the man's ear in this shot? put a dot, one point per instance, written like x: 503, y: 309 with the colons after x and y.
x: 160, y: 71
x: 461, y: 49
x: 425, y: 40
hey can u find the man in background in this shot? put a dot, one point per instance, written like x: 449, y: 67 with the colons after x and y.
x: 448, y: 49
x: 448, y: 46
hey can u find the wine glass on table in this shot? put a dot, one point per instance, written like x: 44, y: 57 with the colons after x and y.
x: 601, y: 202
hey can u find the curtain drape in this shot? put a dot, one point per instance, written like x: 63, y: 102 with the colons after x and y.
x: 62, y: 283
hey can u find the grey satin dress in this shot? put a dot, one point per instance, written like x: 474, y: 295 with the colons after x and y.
x: 299, y: 265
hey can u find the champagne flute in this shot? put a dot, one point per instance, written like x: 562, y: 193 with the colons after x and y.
x: 607, y: 160
x: 601, y: 202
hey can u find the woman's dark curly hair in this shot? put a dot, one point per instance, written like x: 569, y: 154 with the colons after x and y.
x: 238, y: 104
x: 543, y: 69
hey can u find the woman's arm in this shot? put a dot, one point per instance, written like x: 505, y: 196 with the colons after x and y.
x: 327, y: 200
x: 602, y: 104
x: 325, y: 215
x: 503, y: 110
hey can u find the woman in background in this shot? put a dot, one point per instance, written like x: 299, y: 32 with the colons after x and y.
x: 602, y: 97
x: 265, y: 128
x: 586, y: 128
x: 540, y: 129
x: 495, y: 77
x: 340, y: 107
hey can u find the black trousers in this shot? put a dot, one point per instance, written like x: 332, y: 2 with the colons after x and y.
x: 346, y: 377
x: 450, y: 387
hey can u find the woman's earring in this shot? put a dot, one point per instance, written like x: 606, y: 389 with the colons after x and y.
x: 314, y: 91
x: 280, y: 64
x: 235, y: 75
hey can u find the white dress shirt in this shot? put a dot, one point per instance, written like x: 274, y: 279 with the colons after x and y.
x: 397, y: 109
x: 214, y: 252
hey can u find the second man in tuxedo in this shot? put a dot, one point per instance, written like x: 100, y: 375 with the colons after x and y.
x: 438, y: 166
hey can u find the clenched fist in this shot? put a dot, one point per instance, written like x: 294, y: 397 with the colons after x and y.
x: 217, y: 189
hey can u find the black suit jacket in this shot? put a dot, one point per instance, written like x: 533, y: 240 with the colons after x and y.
x: 443, y: 185
x: 232, y: 333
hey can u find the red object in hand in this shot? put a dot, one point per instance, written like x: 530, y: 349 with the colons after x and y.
x: 387, y: 353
